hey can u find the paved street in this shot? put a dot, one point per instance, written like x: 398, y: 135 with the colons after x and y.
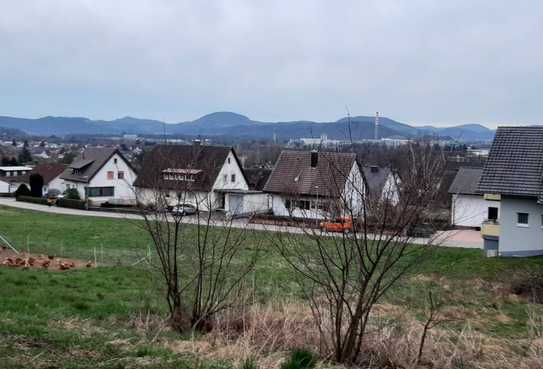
x: 453, y: 238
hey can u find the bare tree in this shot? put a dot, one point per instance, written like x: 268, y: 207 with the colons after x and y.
x: 344, y: 275
x: 203, y: 261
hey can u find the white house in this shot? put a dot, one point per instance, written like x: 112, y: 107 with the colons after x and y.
x: 100, y: 175
x: 315, y: 185
x: 513, y: 174
x: 10, y: 177
x: 208, y: 177
x: 469, y: 208
x: 382, y: 183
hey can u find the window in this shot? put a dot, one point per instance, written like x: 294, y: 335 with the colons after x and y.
x: 228, y: 160
x: 233, y: 178
x: 492, y: 213
x: 225, y: 178
x: 522, y: 219
x: 110, y: 175
x: 115, y: 160
x: 120, y: 174
x: 100, y: 191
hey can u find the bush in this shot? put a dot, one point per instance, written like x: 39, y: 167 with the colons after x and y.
x: 529, y: 285
x: 300, y: 359
x: 71, y: 203
x: 34, y: 200
x: 72, y: 194
x: 22, y: 190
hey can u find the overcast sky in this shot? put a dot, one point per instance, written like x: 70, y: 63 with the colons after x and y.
x: 416, y: 61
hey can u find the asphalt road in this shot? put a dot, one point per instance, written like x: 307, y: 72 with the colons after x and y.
x: 454, y: 238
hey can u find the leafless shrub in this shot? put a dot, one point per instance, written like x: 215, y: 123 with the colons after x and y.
x: 343, y: 277
x: 202, y: 261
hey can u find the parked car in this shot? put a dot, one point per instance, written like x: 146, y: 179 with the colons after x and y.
x: 183, y: 209
x: 341, y: 224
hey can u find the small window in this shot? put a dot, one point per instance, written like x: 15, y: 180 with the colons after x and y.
x: 541, y: 220
x: 228, y: 160
x: 225, y: 178
x: 120, y: 174
x: 492, y: 213
x: 110, y: 175
x: 522, y: 219
x: 233, y: 178
x: 115, y: 160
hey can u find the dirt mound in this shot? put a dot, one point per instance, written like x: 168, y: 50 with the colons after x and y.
x: 9, y: 258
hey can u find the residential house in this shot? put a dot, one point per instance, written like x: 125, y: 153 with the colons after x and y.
x: 208, y: 177
x: 50, y: 173
x: 10, y: 177
x: 101, y: 174
x: 315, y: 185
x: 513, y: 174
x: 468, y: 207
x: 382, y: 183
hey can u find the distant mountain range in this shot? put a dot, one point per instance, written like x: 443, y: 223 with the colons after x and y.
x: 237, y: 125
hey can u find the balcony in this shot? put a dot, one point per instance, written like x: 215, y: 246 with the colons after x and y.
x: 490, y: 228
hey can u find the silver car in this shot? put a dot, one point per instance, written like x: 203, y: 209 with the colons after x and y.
x: 184, y: 209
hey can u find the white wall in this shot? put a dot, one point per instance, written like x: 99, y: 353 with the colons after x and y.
x: 224, y: 179
x: 124, y: 191
x: 516, y: 240
x: 4, y: 187
x: 391, y: 191
x: 354, y: 190
x: 247, y: 203
x: 471, y: 210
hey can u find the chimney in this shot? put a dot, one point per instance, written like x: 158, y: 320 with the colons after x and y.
x: 196, y: 143
x: 374, y: 169
x: 314, y: 159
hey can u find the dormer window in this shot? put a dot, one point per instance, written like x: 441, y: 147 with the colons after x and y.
x: 177, y: 174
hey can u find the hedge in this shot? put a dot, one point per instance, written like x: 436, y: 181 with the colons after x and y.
x: 71, y: 203
x: 34, y: 200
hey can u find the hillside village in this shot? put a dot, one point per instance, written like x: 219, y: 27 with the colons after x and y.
x: 271, y: 185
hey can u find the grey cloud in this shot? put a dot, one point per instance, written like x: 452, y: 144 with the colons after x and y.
x: 417, y: 61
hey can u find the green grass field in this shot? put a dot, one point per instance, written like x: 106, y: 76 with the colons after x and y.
x: 88, y: 318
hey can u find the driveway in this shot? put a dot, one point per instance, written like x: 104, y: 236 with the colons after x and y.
x: 454, y: 238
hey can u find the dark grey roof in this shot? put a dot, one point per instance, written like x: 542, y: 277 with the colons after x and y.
x: 208, y: 160
x: 293, y: 173
x: 515, y: 163
x: 466, y: 181
x: 375, y: 178
x: 88, y: 164
x: 257, y: 178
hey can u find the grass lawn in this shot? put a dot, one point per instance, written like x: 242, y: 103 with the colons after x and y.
x: 92, y: 318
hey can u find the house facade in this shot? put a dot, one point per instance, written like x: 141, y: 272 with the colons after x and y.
x: 382, y: 183
x: 315, y: 185
x: 469, y: 208
x: 10, y: 177
x: 513, y: 174
x: 208, y: 177
x: 101, y: 175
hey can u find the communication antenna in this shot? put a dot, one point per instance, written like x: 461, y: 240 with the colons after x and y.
x: 376, y: 133
x: 349, y: 127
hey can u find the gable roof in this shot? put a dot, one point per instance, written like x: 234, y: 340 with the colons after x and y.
x: 375, y: 178
x: 293, y: 173
x: 515, y: 163
x: 466, y: 181
x: 89, y: 163
x: 48, y: 171
x: 205, y: 158
x: 257, y: 178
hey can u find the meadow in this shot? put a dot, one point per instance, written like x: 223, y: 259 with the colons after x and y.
x: 112, y: 316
